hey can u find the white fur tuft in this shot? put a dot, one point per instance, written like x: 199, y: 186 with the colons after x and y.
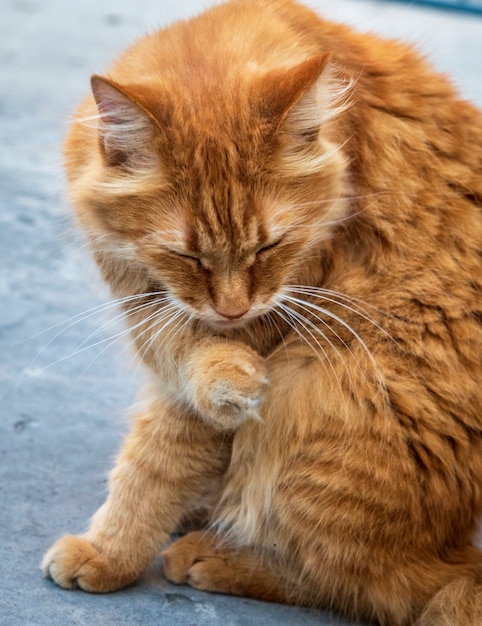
x: 325, y: 101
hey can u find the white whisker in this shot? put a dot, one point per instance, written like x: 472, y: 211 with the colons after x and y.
x: 79, y: 317
x: 65, y: 325
x: 345, y: 325
x: 307, y: 309
x: 110, y: 339
x: 309, y: 327
x: 121, y: 316
x: 158, y: 319
x: 329, y: 295
x: 142, y: 350
x: 273, y: 323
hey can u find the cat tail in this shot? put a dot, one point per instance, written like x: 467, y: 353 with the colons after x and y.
x: 459, y: 603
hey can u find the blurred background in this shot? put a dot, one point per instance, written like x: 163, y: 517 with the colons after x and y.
x: 471, y: 6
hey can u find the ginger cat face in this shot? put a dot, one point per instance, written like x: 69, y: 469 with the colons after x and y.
x: 226, y: 210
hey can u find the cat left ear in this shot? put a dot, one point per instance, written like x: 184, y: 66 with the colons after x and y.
x: 126, y: 130
x: 281, y: 90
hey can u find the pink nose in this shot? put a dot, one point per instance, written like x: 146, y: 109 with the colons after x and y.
x: 231, y: 315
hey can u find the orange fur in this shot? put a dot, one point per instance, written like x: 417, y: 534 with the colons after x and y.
x: 297, y: 210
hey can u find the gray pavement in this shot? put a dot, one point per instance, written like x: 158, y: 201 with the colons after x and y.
x: 62, y: 403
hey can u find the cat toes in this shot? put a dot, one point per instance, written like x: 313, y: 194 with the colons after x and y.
x: 227, y: 384
x: 210, y: 574
x: 74, y: 562
x: 241, y: 404
x: 239, y: 397
x: 200, y: 561
x: 69, y: 560
x: 189, y: 560
x: 180, y: 556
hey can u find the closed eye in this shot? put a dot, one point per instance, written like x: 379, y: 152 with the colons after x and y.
x: 270, y: 246
x: 189, y: 257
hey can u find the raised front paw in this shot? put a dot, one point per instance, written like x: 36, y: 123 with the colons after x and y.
x: 73, y: 562
x: 228, y: 383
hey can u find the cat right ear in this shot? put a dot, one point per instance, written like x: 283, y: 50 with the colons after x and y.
x: 126, y: 130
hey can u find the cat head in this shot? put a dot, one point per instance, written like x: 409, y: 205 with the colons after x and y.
x: 220, y: 195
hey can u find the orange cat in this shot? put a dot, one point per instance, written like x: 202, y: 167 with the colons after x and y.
x: 290, y: 216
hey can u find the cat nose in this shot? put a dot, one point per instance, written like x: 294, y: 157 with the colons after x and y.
x: 232, y: 315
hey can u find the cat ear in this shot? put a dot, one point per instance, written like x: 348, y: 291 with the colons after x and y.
x: 290, y: 91
x: 126, y: 130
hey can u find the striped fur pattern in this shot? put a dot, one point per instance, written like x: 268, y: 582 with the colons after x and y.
x: 289, y: 214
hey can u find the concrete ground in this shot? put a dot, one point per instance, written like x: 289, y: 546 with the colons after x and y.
x: 64, y: 385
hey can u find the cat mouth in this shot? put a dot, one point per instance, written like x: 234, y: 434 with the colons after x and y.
x: 225, y: 324
x: 217, y: 321
x: 220, y: 322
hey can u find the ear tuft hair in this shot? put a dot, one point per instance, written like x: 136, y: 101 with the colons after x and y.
x: 126, y: 130
x: 297, y: 104
x: 278, y: 91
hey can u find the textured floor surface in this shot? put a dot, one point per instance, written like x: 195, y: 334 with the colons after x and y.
x: 64, y: 385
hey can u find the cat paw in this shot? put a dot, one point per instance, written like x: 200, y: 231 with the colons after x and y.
x: 228, y: 383
x: 204, y: 561
x: 194, y: 560
x: 74, y: 562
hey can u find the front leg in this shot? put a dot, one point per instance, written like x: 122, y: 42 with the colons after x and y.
x: 165, y: 462
x: 221, y: 378
x: 225, y: 383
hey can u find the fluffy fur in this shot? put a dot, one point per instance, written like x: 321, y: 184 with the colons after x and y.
x: 290, y: 216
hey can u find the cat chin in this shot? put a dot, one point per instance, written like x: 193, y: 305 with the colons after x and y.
x: 227, y: 324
